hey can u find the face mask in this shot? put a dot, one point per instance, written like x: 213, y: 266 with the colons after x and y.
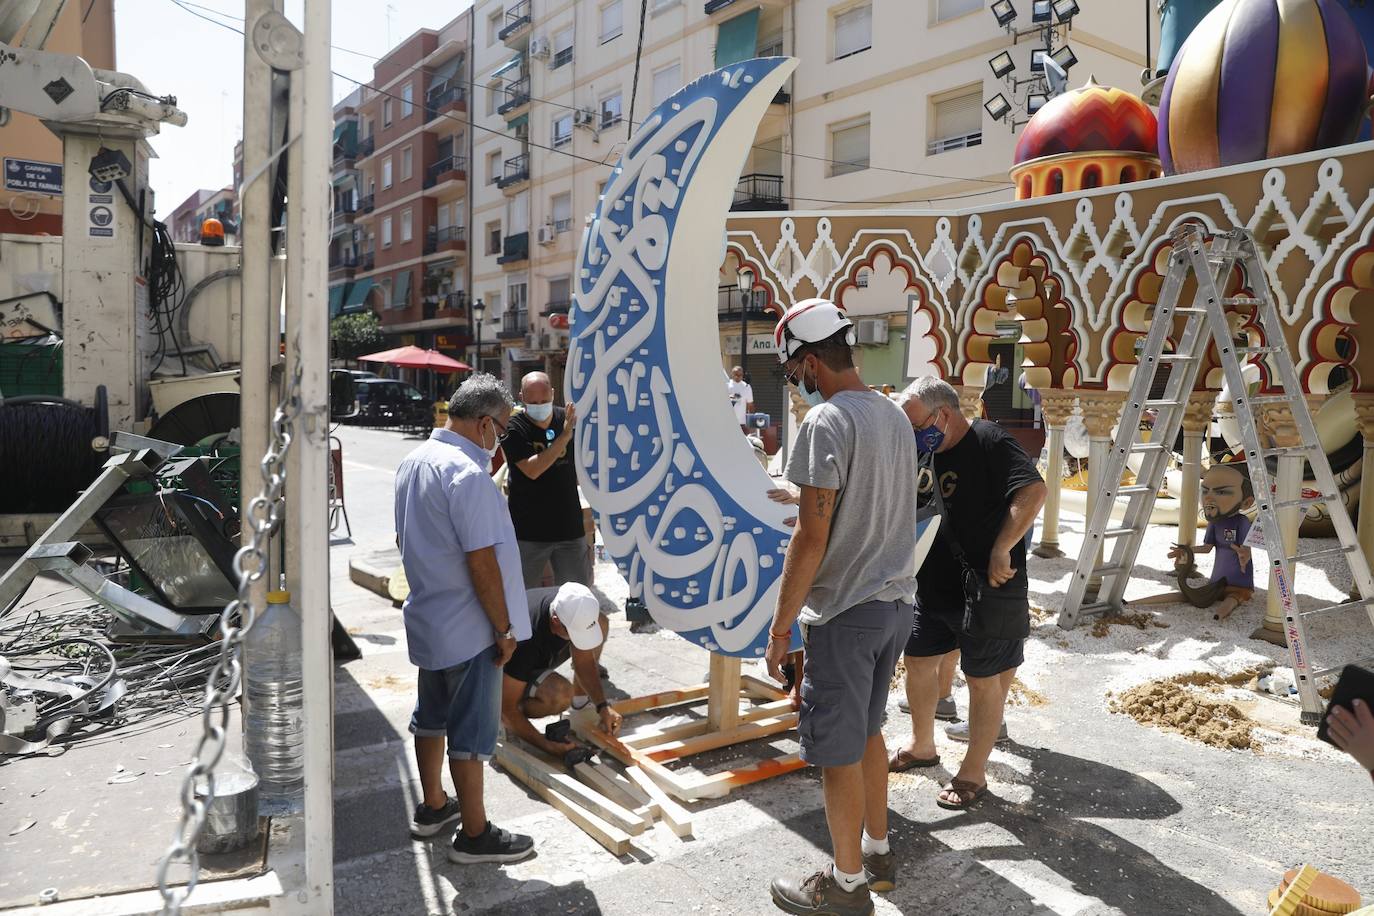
x: 495, y: 441
x: 813, y: 398
x: 539, y: 413
x: 929, y: 439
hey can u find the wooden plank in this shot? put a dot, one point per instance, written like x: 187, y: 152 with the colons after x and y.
x: 674, y: 815
x: 664, y: 777
x: 606, y: 786
x: 660, y: 700
x: 645, y: 737
x: 720, y: 784
x: 761, y: 688
x: 672, y: 750
x: 615, y: 841
x: 623, y: 782
x: 561, y: 782
x: 722, y: 702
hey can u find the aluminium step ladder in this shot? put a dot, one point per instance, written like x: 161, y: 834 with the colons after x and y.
x: 1212, y: 262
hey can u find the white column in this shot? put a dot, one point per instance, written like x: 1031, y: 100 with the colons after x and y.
x: 1287, y: 486
x: 1197, y: 416
x: 1055, y: 407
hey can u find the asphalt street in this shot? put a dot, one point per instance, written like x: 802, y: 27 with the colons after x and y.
x: 1094, y: 813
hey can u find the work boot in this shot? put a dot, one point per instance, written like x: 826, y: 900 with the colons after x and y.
x: 959, y: 732
x: 945, y: 709
x: 819, y: 895
x: 881, y: 871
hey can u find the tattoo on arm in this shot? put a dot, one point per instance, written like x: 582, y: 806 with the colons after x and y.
x: 824, y: 504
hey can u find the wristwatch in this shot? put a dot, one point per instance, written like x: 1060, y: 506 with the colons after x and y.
x: 509, y: 633
x: 602, y: 705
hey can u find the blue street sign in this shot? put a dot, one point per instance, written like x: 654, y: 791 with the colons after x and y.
x: 37, y: 177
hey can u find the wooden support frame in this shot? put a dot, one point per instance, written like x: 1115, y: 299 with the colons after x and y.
x: 615, y: 840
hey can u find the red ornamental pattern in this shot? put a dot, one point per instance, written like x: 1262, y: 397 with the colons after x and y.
x: 1091, y: 119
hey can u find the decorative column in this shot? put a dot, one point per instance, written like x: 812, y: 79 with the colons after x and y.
x: 1056, y: 406
x: 1364, y: 415
x: 1278, y: 422
x: 1197, y: 416
x: 1100, y: 412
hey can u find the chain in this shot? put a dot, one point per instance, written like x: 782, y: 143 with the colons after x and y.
x: 264, y: 513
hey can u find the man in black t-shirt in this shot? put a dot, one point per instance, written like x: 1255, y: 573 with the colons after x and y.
x: 992, y: 492
x: 565, y: 623
x: 544, y: 504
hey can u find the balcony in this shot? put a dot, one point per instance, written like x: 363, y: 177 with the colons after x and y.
x: 450, y: 168
x: 558, y: 307
x: 449, y: 238
x: 515, y: 249
x: 514, y: 325
x: 962, y: 141
x: 517, y: 97
x: 729, y: 300
x: 366, y: 203
x: 517, y: 23
x: 515, y: 173
x: 759, y: 192
x: 345, y: 152
x: 446, y: 101
x: 343, y: 266
x: 367, y: 146
x: 367, y: 261
x: 344, y: 214
x: 717, y: 6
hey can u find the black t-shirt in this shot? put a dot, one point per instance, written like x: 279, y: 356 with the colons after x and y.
x: 978, y: 478
x: 546, y: 508
x: 544, y: 649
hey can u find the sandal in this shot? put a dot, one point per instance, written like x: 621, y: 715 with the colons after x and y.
x: 904, y: 760
x: 969, y: 794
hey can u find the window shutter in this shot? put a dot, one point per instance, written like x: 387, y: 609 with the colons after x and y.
x: 958, y: 116
x: 666, y: 82
x: 948, y: 9
x: 737, y: 39
x: 853, y: 30
x: 849, y: 149
x: 610, y: 21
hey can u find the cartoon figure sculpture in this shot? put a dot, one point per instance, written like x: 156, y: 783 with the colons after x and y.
x: 1226, y: 493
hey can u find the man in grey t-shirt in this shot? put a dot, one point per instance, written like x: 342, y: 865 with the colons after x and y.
x: 849, y: 578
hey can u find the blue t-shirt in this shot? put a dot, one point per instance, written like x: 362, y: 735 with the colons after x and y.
x: 447, y: 507
x: 1226, y: 533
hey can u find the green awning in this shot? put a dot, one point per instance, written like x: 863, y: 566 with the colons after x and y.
x: 400, y: 291
x: 517, y: 60
x: 357, y: 295
x: 336, y: 299
x: 339, y: 130
x: 517, y: 123
x: 446, y: 70
x: 737, y: 39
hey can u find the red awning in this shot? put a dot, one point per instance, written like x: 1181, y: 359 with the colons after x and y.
x: 416, y: 358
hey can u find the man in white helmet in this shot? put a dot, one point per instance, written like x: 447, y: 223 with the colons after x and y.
x: 850, y: 579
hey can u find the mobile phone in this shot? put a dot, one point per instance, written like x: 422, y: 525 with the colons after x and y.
x: 1356, y: 683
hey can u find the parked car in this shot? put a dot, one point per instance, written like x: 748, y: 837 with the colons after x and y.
x: 386, y: 402
x: 361, y: 374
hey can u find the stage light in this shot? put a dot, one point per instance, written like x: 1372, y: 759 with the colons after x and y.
x: 1041, y: 11
x: 1002, y: 64
x: 1037, y: 63
x: 1004, y: 12
x: 1065, y: 9
x: 1035, y: 101
x: 1064, y: 57
x: 997, y: 107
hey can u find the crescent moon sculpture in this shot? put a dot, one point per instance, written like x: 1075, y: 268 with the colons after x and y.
x: 680, y: 500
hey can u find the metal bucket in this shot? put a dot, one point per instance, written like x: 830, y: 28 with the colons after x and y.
x: 231, y: 821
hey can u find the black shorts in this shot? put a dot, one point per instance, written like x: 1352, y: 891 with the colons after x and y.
x: 937, y: 633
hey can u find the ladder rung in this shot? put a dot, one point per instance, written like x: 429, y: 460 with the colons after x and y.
x: 1189, y: 310
x: 1347, y: 606
x: 1323, y: 552
x: 1118, y: 532
x: 1134, y: 489
x: 1270, y: 399
x: 1259, y: 349
x: 1148, y: 447
x: 1304, y: 502
x: 1097, y: 607
x: 1160, y: 402
x: 1105, y: 571
x: 1322, y: 672
x: 1175, y: 358
x: 1242, y: 300
x: 1282, y: 451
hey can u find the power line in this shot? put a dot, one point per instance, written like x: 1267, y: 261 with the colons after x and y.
x: 187, y: 5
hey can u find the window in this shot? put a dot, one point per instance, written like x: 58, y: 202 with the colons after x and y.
x: 407, y: 228
x: 949, y: 9
x: 493, y: 166
x: 441, y: 217
x: 386, y: 112
x: 494, y: 23
x: 494, y: 237
x: 386, y: 173
x: 562, y: 130
x: 560, y: 292
x: 562, y: 49
x: 601, y: 189
x: 666, y: 81
x: 610, y: 111
x: 611, y: 21
x: 658, y: 6
x: 853, y: 30
x: 518, y: 295
x: 408, y: 100
x: 407, y: 163
x: 496, y: 94
x: 386, y: 291
x: 849, y: 147
x: 386, y: 232
x: 561, y: 212
x: 957, y: 122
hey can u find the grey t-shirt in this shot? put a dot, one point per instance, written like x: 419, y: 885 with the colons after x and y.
x: 860, y: 443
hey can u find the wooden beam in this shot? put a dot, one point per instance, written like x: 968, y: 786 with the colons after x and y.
x: 664, y: 777
x: 761, y: 688
x: 616, y: 841
x: 672, y: 750
x: 598, y: 782
x: 623, y: 782
x: 660, y: 700
x: 674, y: 815
x: 721, y: 783
x: 645, y: 737
x: 561, y: 782
x: 722, y: 701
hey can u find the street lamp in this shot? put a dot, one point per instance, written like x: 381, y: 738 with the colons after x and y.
x: 479, y: 308
x: 746, y: 289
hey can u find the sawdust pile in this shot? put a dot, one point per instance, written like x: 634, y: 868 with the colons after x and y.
x: 1042, y: 614
x: 1102, y: 625
x: 898, y: 677
x: 1021, y: 695
x: 1180, y: 704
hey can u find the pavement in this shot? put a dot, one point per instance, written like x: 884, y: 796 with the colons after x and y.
x: 1093, y: 814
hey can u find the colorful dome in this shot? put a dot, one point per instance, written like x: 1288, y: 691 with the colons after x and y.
x: 1092, y: 119
x: 1262, y: 78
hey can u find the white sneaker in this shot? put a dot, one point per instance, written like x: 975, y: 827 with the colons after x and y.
x: 958, y: 731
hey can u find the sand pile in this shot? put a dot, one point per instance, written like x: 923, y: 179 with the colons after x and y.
x: 1181, y: 704
x: 1021, y: 695
x: 1102, y: 625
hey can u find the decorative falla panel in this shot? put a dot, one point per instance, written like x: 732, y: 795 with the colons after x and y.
x: 681, y: 502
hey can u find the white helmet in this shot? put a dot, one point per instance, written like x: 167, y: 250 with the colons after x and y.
x: 809, y: 321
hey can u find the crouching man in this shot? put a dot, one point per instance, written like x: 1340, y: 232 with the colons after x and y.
x: 566, y: 622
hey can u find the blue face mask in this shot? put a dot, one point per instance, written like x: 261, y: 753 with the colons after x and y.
x: 813, y: 398
x: 539, y: 413
x: 929, y: 439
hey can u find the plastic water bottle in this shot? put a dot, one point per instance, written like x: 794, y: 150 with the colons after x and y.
x: 275, y: 732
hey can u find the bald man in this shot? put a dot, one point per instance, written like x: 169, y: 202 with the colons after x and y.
x: 544, y: 504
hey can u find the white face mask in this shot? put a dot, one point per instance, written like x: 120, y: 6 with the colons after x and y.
x: 495, y: 441
x: 539, y: 413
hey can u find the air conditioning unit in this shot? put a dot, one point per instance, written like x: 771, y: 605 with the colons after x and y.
x: 546, y: 234
x: 539, y: 47
x: 545, y: 340
x: 531, y: 340
x: 871, y: 330
x: 584, y: 117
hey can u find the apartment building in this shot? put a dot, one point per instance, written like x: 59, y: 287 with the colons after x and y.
x: 188, y: 218
x: 345, y: 235
x: 412, y: 214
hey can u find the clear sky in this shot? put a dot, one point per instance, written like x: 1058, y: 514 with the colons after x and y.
x: 173, y: 52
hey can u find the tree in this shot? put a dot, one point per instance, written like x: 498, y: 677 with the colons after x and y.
x: 353, y: 335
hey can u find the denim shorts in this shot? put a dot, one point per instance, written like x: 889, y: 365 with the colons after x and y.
x: 462, y: 703
x: 845, y: 679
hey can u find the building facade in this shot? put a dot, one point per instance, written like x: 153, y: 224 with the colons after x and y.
x: 190, y: 215
x: 346, y: 294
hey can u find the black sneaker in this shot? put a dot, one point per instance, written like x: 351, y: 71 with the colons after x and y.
x: 427, y: 821
x: 492, y: 845
x: 881, y: 871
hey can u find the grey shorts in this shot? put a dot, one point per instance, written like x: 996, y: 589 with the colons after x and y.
x: 570, y: 560
x: 848, y: 668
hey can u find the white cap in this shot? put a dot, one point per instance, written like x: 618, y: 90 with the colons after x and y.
x: 580, y: 613
x: 809, y: 321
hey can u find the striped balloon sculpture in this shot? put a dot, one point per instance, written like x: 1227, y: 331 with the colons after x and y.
x: 1263, y: 78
